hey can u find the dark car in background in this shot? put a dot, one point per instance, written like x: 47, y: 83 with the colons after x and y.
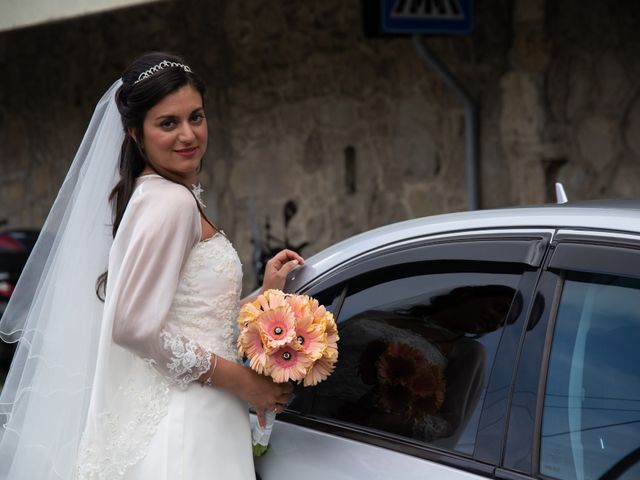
x: 15, y: 247
x: 490, y: 344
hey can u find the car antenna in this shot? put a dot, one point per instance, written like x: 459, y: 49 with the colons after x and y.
x: 561, y: 197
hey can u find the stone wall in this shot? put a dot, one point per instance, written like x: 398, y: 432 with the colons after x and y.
x: 592, y: 97
x: 355, y: 131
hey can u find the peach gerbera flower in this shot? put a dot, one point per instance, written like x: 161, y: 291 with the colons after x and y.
x: 329, y: 323
x: 317, y: 310
x: 288, y: 363
x: 251, y: 344
x: 299, y: 305
x: 277, y: 326
x: 320, y: 370
x: 332, y: 338
x: 248, y: 313
x: 271, y: 299
x: 310, y: 337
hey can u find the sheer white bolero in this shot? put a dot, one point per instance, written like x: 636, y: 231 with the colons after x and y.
x: 171, y: 300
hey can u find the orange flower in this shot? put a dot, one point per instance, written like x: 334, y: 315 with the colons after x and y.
x: 299, y: 305
x: 332, y: 345
x: 288, y: 363
x: 330, y: 325
x: 250, y: 311
x: 277, y: 326
x: 271, y: 299
x: 310, y: 337
x: 320, y: 370
x: 251, y: 344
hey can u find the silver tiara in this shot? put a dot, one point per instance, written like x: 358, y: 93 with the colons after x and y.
x: 161, y: 66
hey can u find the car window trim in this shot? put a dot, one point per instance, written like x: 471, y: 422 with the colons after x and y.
x: 487, y: 449
x: 544, y: 372
x: 604, y: 258
x: 603, y: 237
x: 500, y: 246
x: 504, y: 474
x: 524, y: 390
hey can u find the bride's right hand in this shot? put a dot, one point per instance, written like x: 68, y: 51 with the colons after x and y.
x: 259, y: 391
x: 263, y: 394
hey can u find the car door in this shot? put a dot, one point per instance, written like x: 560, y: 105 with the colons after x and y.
x: 417, y: 392
x: 576, y: 403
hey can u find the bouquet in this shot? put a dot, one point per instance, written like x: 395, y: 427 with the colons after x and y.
x: 407, y: 381
x: 409, y: 388
x: 289, y: 338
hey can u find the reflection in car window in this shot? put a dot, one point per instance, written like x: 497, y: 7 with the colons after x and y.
x: 591, y: 418
x: 416, y: 346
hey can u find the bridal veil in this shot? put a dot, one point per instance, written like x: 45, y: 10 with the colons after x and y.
x: 55, y: 316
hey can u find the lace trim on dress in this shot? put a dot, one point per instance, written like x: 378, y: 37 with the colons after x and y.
x: 197, y: 192
x: 120, y: 438
x: 188, y: 359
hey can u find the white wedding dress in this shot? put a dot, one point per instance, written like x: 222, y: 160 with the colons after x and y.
x: 171, y: 301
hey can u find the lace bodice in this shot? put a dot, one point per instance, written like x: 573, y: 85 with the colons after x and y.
x: 207, y: 300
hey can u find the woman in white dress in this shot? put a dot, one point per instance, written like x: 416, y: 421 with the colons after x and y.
x: 155, y: 390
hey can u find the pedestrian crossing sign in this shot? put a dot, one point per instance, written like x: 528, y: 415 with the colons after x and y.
x: 424, y: 17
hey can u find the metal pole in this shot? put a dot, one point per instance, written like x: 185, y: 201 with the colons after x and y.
x: 470, y: 118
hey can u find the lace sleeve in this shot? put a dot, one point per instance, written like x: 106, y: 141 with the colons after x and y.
x: 187, y: 360
x: 160, y: 227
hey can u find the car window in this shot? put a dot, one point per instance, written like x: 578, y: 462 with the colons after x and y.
x: 416, y: 347
x: 591, y: 416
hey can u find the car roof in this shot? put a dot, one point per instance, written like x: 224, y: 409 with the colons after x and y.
x: 602, y: 215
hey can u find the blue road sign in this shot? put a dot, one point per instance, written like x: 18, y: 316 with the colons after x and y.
x: 424, y: 17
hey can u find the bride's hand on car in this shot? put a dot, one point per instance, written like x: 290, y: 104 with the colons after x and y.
x: 277, y: 269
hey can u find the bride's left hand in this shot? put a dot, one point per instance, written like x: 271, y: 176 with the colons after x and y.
x: 277, y: 269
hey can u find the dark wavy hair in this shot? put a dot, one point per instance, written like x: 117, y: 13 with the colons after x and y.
x: 134, y: 99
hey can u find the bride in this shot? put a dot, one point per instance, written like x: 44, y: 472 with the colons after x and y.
x: 126, y: 365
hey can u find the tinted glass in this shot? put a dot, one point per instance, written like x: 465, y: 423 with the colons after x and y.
x: 416, y: 348
x: 591, y: 417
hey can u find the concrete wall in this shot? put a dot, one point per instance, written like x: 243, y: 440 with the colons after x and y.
x: 356, y: 131
x: 592, y: 96
x: 22, y: 13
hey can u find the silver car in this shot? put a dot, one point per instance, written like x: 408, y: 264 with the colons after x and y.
x: 489, y: 344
